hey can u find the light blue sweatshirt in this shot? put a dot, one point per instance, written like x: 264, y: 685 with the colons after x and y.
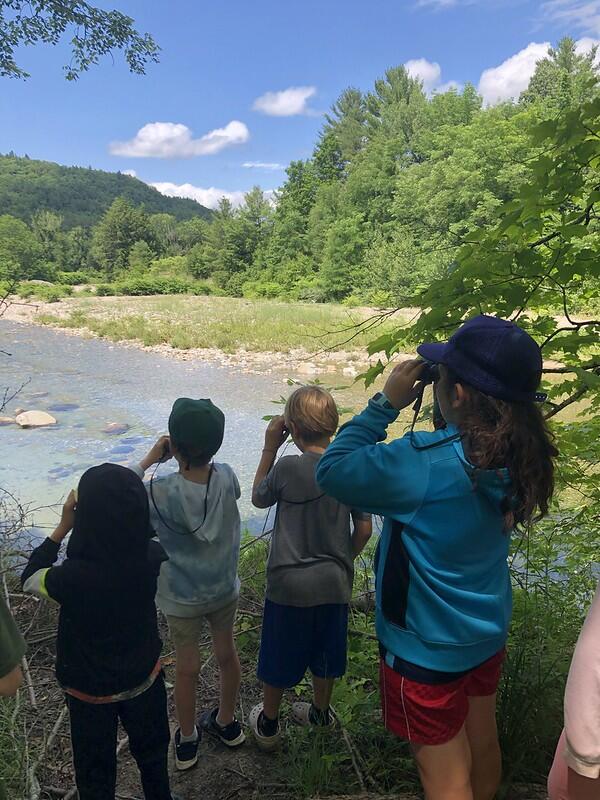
x: 201, y: 573
x: 443, y: 588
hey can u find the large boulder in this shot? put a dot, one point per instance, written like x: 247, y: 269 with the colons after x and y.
x: 35, y: 419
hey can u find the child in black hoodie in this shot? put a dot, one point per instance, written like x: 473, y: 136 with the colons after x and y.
x: 108, y: 646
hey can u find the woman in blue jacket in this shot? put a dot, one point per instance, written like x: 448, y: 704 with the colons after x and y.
x: 450, y: 499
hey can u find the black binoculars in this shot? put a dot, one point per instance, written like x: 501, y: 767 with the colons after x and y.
x: 430, y: 372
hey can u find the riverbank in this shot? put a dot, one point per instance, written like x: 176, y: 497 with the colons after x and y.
x: 258, y: 336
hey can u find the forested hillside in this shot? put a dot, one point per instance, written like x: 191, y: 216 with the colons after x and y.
x: 80, y: 195
x: 396, y: 181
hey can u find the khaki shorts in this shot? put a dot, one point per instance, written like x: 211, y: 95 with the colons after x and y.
x: 188, y: 630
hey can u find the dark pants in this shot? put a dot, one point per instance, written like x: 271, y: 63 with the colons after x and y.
x: 94, y: 741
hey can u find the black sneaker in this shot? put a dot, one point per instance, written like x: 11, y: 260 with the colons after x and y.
x: 186, y: 753
x: 232, y: 735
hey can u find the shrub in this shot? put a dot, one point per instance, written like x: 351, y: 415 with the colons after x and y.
x: 105, y: 290
x: 149, y: 285
x: 169, y: 266
x: 49, y: 292
x: 73, y: 278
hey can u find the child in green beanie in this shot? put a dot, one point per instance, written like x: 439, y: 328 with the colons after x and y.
x: 195, y: 514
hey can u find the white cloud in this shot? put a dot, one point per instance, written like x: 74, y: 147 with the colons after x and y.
x: 509, y: 79
x: 208, y: 197
x: 585, y: 44
x: 131, y: 172
x: 262, y: 165
x: 427, y: 71
x: 430, y: 73
x: 287, y: 103
x: 583, y: 15
x: 174, y: 140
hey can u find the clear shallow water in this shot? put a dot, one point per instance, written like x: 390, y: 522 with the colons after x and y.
x: 90, y: 383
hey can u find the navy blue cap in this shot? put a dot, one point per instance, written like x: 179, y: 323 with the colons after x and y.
x: 494, y: 356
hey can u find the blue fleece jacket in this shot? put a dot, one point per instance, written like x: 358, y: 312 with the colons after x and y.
x: 442, y: 580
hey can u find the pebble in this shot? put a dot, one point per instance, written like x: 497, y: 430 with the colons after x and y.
x: 115, y: 428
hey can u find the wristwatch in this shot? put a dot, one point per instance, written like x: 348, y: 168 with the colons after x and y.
x: 382, y: 401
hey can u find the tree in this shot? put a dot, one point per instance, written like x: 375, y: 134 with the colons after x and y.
x: 343, y: 250
x: 539, y: 262
x: 119, y: 229
x: 20, y: 253
x: 346, y: 123
x: 166, y: 234
x: 47, y: 229
x: 96, y: 33
x: 77, y: 248
x: 564, y: 78
x: 140, y: 257
x: 191, y: 232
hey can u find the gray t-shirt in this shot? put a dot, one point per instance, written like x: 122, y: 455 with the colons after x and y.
x: 310, y: 560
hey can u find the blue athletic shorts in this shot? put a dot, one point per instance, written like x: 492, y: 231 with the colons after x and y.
x: 296, y: 639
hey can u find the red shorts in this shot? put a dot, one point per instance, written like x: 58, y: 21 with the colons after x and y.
x: 434, y: 714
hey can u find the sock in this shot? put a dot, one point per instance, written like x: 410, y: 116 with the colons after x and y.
x: 318, y: 716
x: 267, y: 726
x: 193, y: 737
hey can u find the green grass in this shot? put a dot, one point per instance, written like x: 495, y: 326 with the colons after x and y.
x: 225, y: 323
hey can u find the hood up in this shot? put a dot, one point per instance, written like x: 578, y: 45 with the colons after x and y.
x: 112, y: 520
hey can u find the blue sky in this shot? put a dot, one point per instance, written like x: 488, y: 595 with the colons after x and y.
x: 244, y: 82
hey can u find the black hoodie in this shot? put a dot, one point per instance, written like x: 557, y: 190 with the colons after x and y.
x: 108, y: 639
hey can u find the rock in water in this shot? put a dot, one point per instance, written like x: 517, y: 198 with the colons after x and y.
x: 7, y: 420
x: 19, y: 411
x: 35, y: 419
x: 63, y: 407
x: 115, y: 428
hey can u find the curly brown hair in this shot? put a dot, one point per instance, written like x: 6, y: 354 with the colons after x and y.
x: 500, y: 434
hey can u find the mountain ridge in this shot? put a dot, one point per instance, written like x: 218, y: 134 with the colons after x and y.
x: 80, y: 195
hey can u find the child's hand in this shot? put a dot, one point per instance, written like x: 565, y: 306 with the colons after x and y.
x: 403, y: 386
x: 67, y: 517
x: 276, y: 434
x: 158, y: 454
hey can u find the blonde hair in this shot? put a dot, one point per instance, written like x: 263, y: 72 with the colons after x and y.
x: 313, y: 412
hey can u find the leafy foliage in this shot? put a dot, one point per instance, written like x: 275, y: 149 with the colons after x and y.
x: 79, y: 195
x: 96, y: 33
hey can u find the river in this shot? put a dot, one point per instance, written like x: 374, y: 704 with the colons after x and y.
x: 87, y: 383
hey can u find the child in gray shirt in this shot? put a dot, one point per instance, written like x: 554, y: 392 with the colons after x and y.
x: 310, y: 568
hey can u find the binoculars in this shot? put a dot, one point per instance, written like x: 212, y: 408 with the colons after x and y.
x: 430, y: 372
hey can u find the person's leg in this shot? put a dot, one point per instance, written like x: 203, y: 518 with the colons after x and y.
x: 328, y: 653
x: 558, y: 779
x: 481, y: 686
x: 482, y: 733
x: 284, y: 652
x: 185, y: 634
x: 94, y: 743
x: 230, y: 673
x: 146, y: 722
x: 322, y: 691
x: 272, y: 697
x: 432, y: 718
x: 445, y: 769
x: 187, y: 670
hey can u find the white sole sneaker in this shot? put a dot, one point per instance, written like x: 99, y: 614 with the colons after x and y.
x: 265, y: 743
x: 301, y: 715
